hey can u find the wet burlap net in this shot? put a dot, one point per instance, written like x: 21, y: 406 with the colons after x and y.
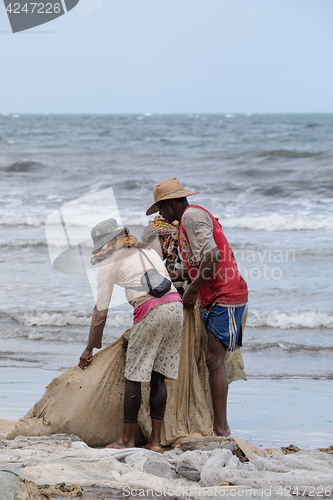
x: 89, y: 403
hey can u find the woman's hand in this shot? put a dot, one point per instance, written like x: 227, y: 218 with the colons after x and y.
x: 85, y: 358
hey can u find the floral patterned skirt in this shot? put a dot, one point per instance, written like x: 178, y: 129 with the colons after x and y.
x: 154, y: 343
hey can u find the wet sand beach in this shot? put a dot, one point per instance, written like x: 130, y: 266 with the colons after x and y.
x: 265, y: 412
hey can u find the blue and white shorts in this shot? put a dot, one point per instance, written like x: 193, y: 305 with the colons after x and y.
x: 224, y: 323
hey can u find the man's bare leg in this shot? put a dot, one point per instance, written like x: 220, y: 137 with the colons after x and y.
x: 132, y: 402
x: 157, y: 402
x: 218, y: 380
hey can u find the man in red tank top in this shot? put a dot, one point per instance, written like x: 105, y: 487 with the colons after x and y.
x: 215, y: 282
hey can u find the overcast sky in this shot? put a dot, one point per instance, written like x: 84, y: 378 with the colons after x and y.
x: 172, y: 56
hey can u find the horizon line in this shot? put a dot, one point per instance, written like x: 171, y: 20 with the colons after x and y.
x: 227, y: 114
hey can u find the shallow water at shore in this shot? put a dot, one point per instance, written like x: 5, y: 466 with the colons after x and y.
x: 265, y: 412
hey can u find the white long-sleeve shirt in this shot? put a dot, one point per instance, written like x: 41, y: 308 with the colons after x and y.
x: 124, y: 268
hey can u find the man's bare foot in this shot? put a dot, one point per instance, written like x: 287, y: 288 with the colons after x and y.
x: 152, y: 446
x: 222, y: 432
x: 119, y: 445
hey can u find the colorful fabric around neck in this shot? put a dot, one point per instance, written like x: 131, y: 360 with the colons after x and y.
x: 123, y: 240
x: 161, y: 227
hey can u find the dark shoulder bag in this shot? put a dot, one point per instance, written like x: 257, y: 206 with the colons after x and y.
x: 152, y: 281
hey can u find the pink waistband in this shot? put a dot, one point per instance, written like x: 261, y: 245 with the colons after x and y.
x: 141, y: 311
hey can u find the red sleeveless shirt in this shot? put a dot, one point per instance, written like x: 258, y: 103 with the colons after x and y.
x: 226, y: 285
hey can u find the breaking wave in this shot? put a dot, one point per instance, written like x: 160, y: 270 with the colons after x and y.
x: 290, y: 319
x: 21, y: 243
x: 63, y: 319
x: 271, y: 222
x: 280, y: 222
x: 287, y: 319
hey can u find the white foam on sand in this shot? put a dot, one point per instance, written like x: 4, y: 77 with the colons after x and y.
x: 61, y: 458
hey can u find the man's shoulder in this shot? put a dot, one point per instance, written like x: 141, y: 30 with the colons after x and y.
x: 195, y: 215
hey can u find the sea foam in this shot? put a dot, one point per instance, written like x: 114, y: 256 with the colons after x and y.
x: 63, y: 319
x: 279, y: 222
x: 270, y: 318
x: 290, y: 319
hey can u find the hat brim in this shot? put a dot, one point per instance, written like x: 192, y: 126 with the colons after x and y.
x: 179, y: 194
x: 106, y: 238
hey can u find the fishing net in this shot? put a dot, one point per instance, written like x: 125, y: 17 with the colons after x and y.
x: 89, y: 403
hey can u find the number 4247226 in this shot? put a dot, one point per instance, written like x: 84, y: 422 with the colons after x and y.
x: 38, y: 8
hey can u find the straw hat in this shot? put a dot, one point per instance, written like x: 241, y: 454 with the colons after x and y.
x: 169, y: 189
x: 103, y: 232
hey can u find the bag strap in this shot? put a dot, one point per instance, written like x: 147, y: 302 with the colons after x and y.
x: 140, y: 288
x: 140, y: 249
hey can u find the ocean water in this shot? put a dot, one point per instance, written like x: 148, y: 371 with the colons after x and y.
x: 269, y: 179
